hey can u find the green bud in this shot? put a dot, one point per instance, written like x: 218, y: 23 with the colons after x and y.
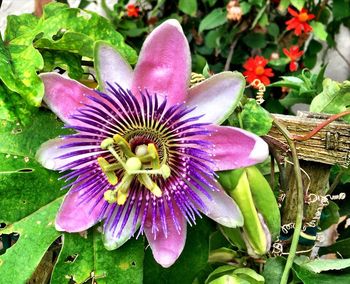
x: 265, y: 201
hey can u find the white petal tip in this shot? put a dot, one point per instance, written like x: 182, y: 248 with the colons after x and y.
x: 260, y: 151
x: 166, y: 258
x: 230, y: 223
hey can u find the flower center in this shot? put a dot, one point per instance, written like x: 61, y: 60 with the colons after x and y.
x: 259, y: 70
x: 140, y: 162
x: 303, y: 17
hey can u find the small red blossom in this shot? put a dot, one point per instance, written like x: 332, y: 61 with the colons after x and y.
x: 255, y: 69
x: 294, y: 55
x: 132, y: 10
x: 299, y: 21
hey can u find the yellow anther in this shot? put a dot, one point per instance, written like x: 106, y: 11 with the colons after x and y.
x: 133, y: 164
x: 123, y: 145
x: 109, y: 196
x: 165, y: 170
x: 106, y: 143
x: 152, y: 150
x: 108, y: 169
x: 156, y: 190
x: 121, y: 197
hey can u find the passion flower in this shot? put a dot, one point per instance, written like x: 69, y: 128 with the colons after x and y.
x: 146, y: 147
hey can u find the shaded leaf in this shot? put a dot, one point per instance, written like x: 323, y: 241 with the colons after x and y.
x: 36, y: 234
x: 273, y: 269
x: 214, y: 19
x: 82, y: 257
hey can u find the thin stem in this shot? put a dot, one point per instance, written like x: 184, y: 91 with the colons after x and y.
x: 335, y: 182
x: 230, y: 54
x: 300, y: 204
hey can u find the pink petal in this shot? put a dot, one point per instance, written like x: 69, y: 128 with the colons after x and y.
x: 164, y: 64
x: 111, y: 67
x: 73, y: 217
x: 166, y: 250
x: 222, y: 208
x: 236, y: 148
x: 63, y: 96
x: 48, y: 153
x: 217, y: 96
x: 111, y: 240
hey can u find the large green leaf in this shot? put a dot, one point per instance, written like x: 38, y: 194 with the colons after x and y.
x: 84, y: 257
x: 18, y: 65
x: 30, y: 195
x: 24, y: 185
x: 62, y: 29
x: 36, y: 234
x: 191, y: 261
x: 335, y: 98
x: 13, y: 107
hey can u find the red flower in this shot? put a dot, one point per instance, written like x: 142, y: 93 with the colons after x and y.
x: 255, y: 69
x: 299, y: 21
x: 294, y: 55
x: 132, y: 10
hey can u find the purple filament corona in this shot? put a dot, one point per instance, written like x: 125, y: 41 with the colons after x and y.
x: 180, y: 143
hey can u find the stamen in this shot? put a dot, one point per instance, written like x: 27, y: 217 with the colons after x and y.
x: 108, y: 144
x: 150, y: 184
x: 124, y: 145
x: 109, y: 170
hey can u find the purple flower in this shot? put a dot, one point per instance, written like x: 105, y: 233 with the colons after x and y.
x: 146, y: 148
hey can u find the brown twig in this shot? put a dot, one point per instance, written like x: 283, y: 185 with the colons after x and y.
x: 320, y: 126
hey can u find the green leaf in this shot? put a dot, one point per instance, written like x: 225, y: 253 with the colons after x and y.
x: 308, y: 277
x: 246, y: 7
x: 273, y: 269
x: 189, y: 7
x: 36, y: 234
x: 255, y: 118
x: 61, y: 28
x: 273, y: 30
x: 341, y: 247
x: 299, y: 4
x: 319, y: 265
x: 294, y: 98
x: 84, y: 256
x: 250, y: 275
x: 319, y: 30
x: 279, y: 62
x: 191, y: 261
x: 341, y: 9
x: 76, y: 31
x: 214, y: 19
x: 18, y: 66
x: 330, y: 215
x: 24, y: 185
x: 65, y: 60
x: 12, y: 107
x: 255, y: 40
x: 335, y: 98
